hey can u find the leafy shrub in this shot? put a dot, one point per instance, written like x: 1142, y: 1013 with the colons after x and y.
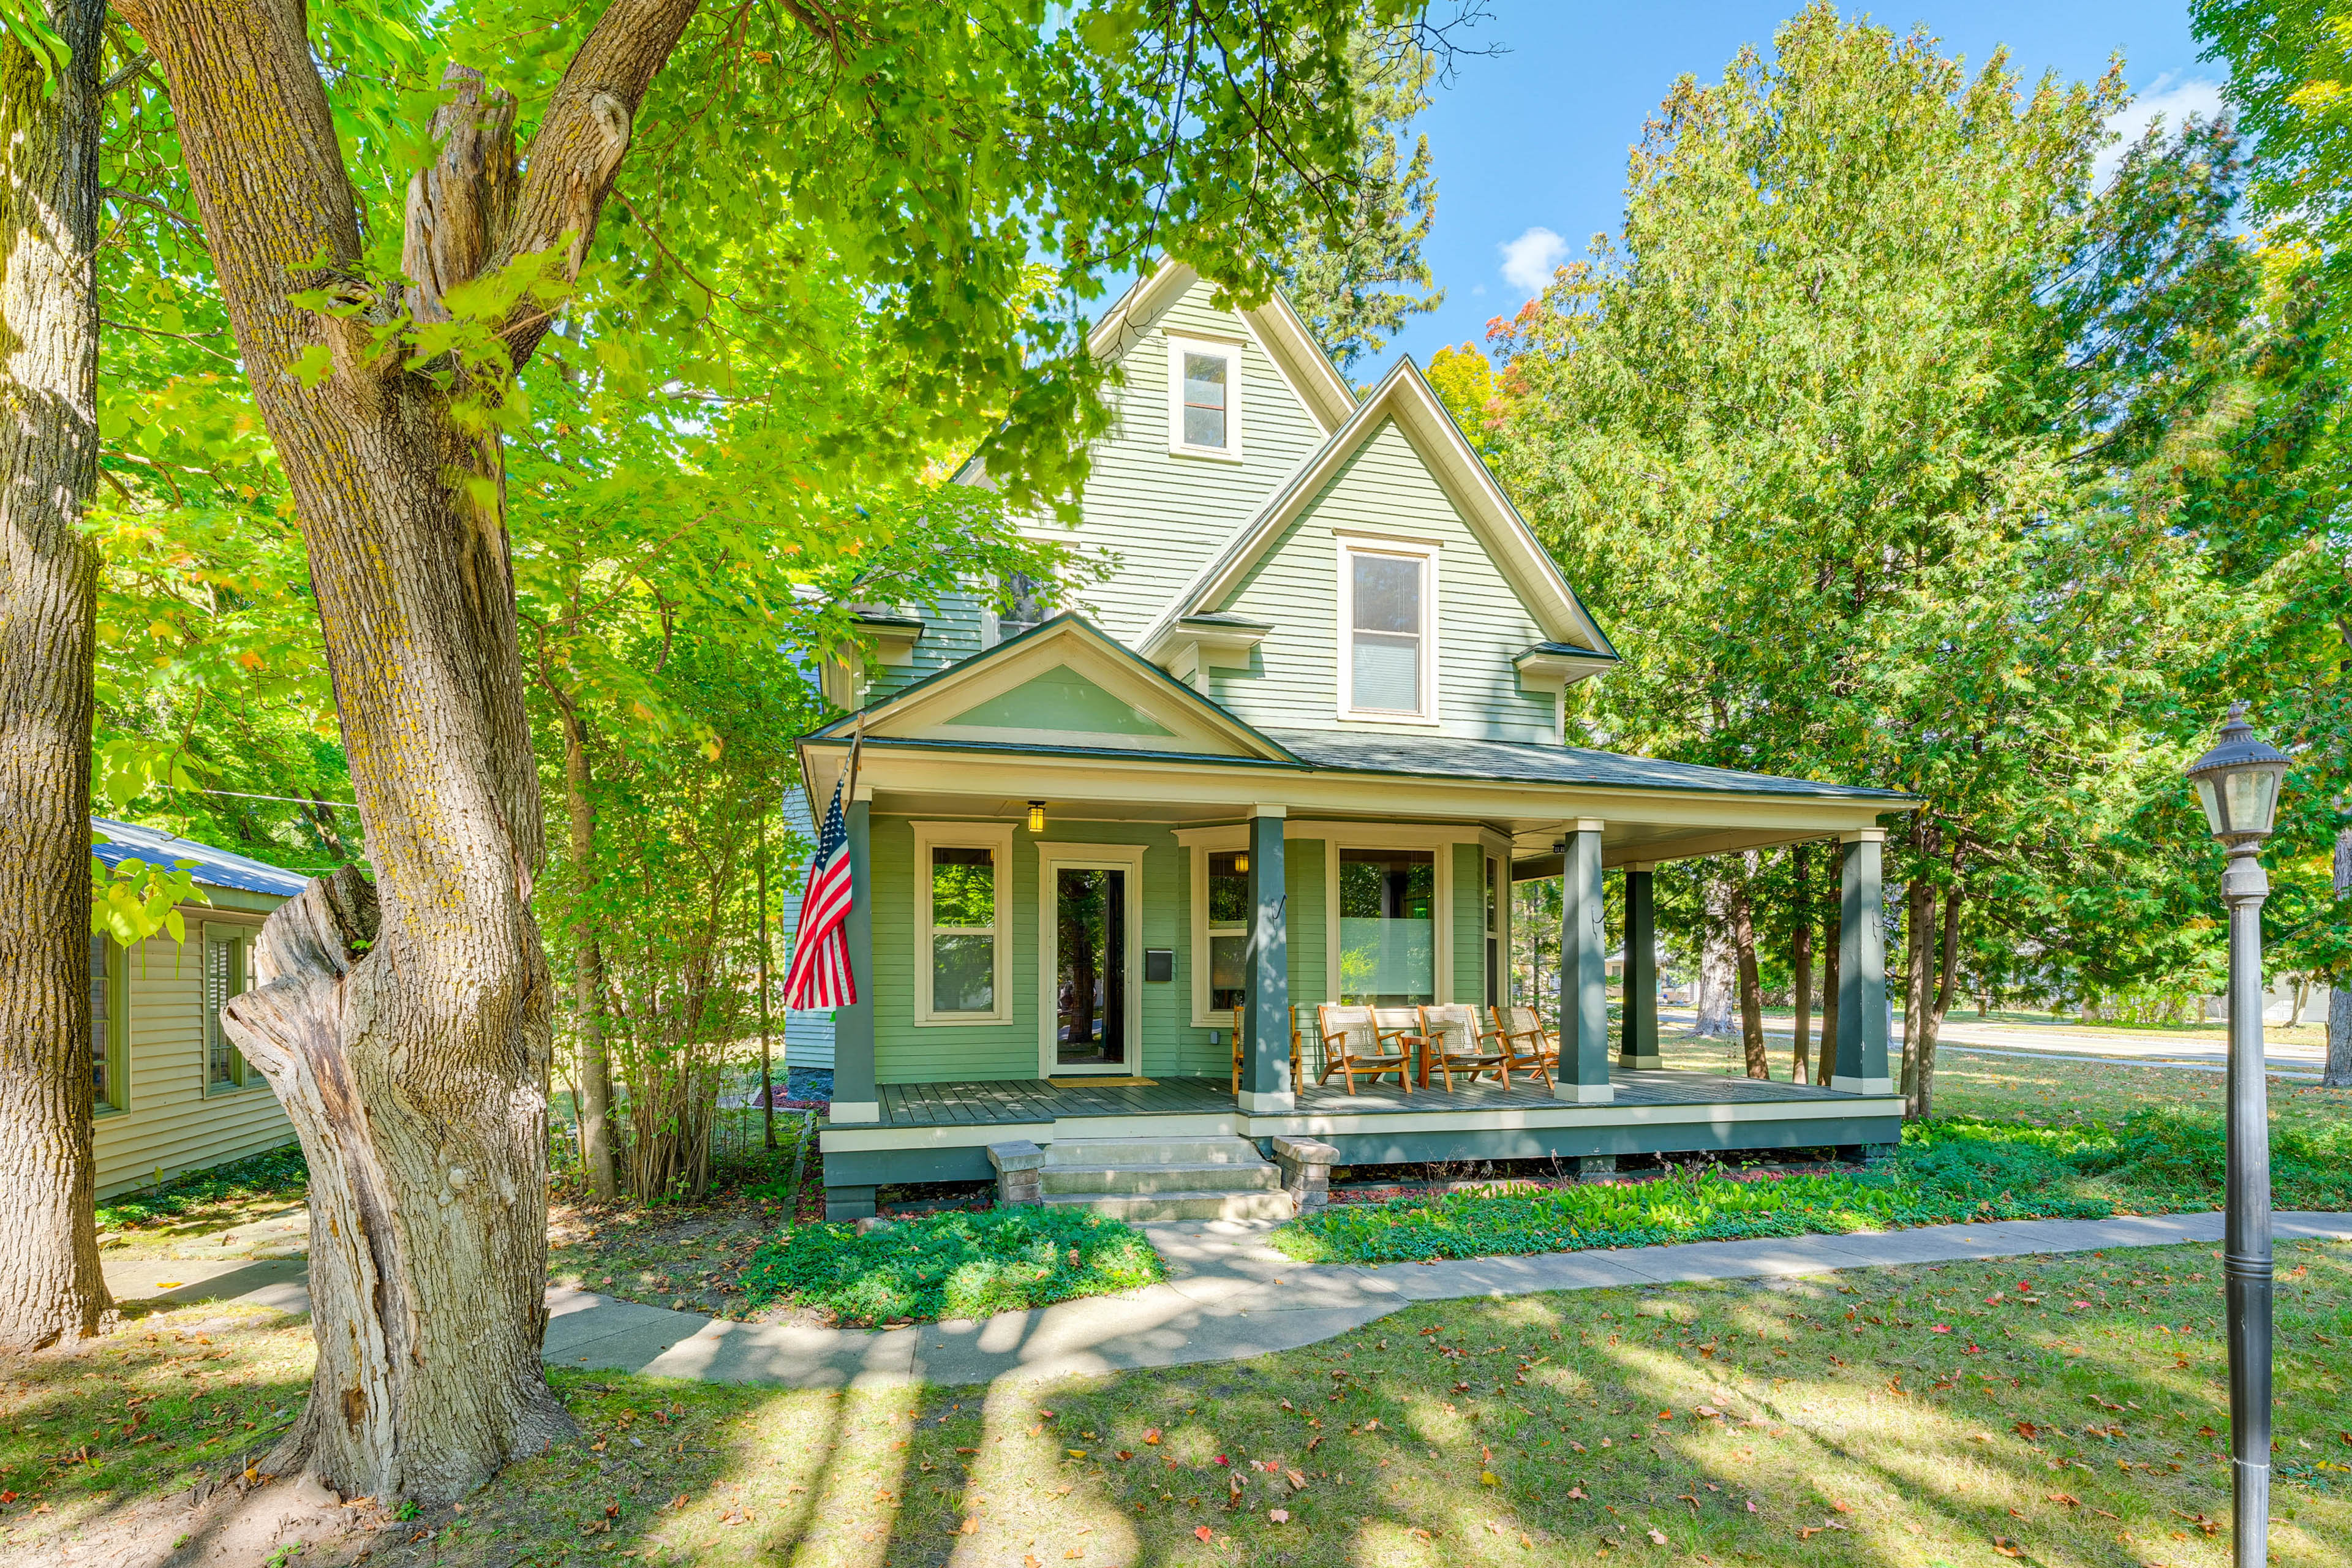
x: 1944, y: 1173
x: 951, y: 1265
x: 2183, y: 1156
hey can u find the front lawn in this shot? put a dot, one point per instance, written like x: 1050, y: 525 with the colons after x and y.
x: 951, y: 1265
x: 1947, y: 1172
x: 1818, y: 1423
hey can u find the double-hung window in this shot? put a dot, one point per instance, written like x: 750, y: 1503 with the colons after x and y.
x: 225, y: 963
x: 1204, y: 397
x: 1496, y: 884
x: 109, y: 1025
x: 1388, y: 665
x: 1229, y: 928
x: 963, y: 894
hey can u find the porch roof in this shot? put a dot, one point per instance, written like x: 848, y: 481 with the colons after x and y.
x: 1520, y: 761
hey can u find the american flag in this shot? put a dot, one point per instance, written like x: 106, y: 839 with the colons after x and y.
x: 819, y: 975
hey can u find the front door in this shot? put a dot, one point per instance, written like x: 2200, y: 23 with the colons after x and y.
x: 1090, y: 956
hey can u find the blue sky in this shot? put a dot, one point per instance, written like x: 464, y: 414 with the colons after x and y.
x: 1530, y: 147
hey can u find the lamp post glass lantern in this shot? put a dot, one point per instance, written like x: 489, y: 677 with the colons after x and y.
x: 2237, y: 782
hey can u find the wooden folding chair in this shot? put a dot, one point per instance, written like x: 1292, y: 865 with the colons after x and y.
x: 1454, y: 1040
x: 1528, y: 1047
x: 1297, y: 1076
x: 1355, y: 1044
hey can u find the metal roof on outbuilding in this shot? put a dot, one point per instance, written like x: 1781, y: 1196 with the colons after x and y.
x: 213, y: 867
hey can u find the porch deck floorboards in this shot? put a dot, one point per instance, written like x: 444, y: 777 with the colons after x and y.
x: 997, y: 1102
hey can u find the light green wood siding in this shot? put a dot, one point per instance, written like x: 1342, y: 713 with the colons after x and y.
x: 1469, y: 926
x: 953, y: 631
x: 904, y: 1053
x: 1162, y: 517
x: 1061, y: 699
x: 1294, y: 679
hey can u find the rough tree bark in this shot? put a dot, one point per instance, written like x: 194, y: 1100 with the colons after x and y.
x: 1918, y: 935
x: 1751, y: 989
x: 1801, y: 965
x: 1939, y: 1003
x: 407, y: 1027
x: 588, y: 976
x: 1716, y: 966
x: 2338, y: 1072
x: 50, y: 1288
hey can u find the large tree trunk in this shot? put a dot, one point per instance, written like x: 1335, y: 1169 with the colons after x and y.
x: 2338, y: 1072
x: 1801, y: 965
x: 1918, y: 935
x: 1752, y: 990
x: 1931, y: 1022
x: 50, y: 1287
x: 1716, y: 966
x: 406, y: 1027
x: 588, y: 971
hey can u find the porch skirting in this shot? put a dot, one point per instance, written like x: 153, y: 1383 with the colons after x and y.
x: 941, y: 1131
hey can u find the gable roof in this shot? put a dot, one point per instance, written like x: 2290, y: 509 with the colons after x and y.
x: 1405, y: 397
x: 213, y: 868
x: 1287, y: 340
x: 961, y: 704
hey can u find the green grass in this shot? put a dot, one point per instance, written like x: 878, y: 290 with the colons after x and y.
x: 2079, y: 1422
x: 1947, y: 1172
x: 950, y: 1265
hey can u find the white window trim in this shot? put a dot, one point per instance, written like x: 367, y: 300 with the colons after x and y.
x: 996, y: 837
x: 1228, y: 349
x: 1200, y: 845
x: 1440, y: 843
x: 118, y: 1029
x: 1051, y: 857
x: 241, y: 935
x: 1344, y: 649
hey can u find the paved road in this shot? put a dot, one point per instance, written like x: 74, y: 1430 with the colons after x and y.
x: 1228, y: 1296
x: 2058, y: 1043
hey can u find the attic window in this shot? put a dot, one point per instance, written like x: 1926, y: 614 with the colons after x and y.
x: 1204, y: 397
x: 1388, y: 662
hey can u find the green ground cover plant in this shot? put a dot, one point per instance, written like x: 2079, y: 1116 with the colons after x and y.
x: 1875, y: 1418
x: 1947, y: 1172
x: 274, y: 1174
x: 953, y: 1265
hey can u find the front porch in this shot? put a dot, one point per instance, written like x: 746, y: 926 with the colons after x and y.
x: 941, y: 1131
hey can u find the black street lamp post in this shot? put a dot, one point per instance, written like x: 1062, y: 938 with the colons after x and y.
x: 2238, y: 785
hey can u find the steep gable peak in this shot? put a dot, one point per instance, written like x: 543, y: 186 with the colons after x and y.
x: 1275, y: 325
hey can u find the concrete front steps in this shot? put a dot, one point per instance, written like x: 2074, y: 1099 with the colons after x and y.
x: 1164, y: 1178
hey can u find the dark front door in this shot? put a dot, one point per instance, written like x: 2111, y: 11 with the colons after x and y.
x: 1090, y: 968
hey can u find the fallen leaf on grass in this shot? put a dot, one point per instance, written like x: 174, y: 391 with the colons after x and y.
x: 1150, y: 1436
x: 2006, y: 1547
x: 1658, y: 1537
x: 1202, y: 1533
x: 970, y: 1526
x: 1279, y: 1515
x: 2065, y: 1498
x: 1688, y: 1498
x: 1841, y: 1507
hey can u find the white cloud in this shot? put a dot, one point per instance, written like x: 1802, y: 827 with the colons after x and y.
x: 2172, y: 95
x: 1529, y: 260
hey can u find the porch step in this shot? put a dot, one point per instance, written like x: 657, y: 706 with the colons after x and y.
x: 1171, y: 1178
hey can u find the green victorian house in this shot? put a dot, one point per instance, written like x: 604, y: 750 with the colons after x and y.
x: 1293, y: 750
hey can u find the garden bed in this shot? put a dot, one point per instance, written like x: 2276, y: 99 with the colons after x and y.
x: 950, y: 1265
x: 1947, y: 1172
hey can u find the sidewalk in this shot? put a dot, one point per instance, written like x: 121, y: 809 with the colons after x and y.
x: 1228, y: 1296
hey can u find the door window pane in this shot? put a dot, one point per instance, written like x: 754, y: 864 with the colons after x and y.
x: 1385, y: 593
x: 1089, y: 967
x: 1204, y: 399
x: 1388, y: 932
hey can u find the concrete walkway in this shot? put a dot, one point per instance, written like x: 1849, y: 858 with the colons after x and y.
x: 1228, y: 1296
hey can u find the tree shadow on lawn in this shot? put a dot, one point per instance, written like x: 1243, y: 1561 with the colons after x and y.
x: 1564, y: 1428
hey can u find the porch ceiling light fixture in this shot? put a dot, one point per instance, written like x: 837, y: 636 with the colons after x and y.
x: 1037, y: 817
x: 1241, y: 861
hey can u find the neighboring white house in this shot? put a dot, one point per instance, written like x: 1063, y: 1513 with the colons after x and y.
x: 172, y: 1094
x: 2279, y: 1003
